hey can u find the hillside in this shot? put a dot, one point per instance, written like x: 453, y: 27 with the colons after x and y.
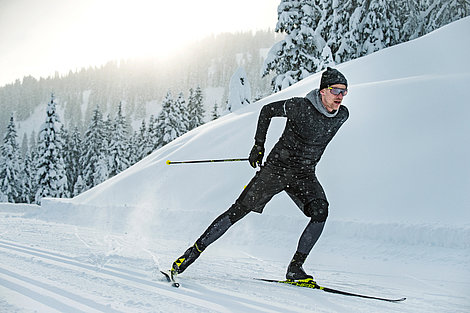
x: 396, y: 175
x: 399, y: 157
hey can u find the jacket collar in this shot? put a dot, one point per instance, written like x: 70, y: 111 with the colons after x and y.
x: 315, y: 98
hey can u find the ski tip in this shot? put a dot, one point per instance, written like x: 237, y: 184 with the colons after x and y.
x: 170, y: 278
x: 167, y: 275
x: 168, y: 162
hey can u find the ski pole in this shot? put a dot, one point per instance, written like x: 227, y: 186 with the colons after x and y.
x: 205, y: 161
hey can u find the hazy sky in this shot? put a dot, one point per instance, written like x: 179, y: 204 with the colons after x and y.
x: 39, y: 37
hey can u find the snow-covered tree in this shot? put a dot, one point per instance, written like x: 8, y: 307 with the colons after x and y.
x: 143, y: 144
x: 118, y: 152
x: 239, y: 94
x: 153, y: 133
x: 195, y: 108
x: 79, y: 186
x: 441, y: 12
x: 169, y: 121
x: 297, y: 55
x: 72, y: 154
x: 108, y: 128
x: 180, y: 104
x: 51, y: 178
x: 342, y: 34
x: 33, y: 141
x: 379, y: 27
x: 321, y: 33
x: 93, y: 159
x: 64, y: 137
x: 24, y: 145
x: 133, y: 149
x: 215, y: 111
x: 30, y: 170
x: 11, y: 167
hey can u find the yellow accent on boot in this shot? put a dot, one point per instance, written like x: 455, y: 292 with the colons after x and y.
x: 197, y: 248
x: 179, y: 261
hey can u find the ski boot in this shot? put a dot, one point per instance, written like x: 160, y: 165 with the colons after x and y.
x: 295, y: 272
x: 186, y: 259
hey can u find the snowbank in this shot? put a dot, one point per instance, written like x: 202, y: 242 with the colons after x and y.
x: 398, y: 168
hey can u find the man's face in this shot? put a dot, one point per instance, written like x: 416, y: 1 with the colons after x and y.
x: 331, y: 101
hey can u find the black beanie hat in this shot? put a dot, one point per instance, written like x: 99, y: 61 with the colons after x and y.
x: 331, y: 77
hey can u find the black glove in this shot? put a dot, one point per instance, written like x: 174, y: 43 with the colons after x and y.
x: 256, y: 155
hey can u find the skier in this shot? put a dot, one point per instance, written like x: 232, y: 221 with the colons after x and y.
x: 311, y: 124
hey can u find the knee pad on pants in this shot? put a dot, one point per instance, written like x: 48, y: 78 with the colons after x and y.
x: 317, y: 210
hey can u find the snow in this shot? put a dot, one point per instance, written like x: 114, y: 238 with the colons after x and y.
x: 239, y: 93
x: 396, y: 176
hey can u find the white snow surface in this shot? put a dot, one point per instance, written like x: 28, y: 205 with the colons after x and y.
x: 397, y: 178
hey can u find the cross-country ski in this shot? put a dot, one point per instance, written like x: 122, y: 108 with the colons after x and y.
x: 314, y: 285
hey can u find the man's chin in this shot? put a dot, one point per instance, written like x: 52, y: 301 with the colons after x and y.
x: 336, y: 106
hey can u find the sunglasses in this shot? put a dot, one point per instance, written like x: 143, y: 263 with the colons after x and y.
x: 336, y: 91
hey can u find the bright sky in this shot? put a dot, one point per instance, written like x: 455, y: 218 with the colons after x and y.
x: 40, y: 37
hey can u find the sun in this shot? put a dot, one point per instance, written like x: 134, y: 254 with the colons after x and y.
x: 54, y: 36
x: 139, y: 28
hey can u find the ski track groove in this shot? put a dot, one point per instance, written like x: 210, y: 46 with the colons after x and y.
x: 45, y: 300
x: 213, y: 300
x: 164, y: 289
x: 50, y: 300
x: 214, y: 295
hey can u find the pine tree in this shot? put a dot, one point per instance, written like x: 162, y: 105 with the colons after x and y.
x: 11, y: 167
x: 30, y: 170
x: 133, y: 149
x: 73, y: 152
x: 108, y: 128
x: 297, y: 55
x: 79, y: 186
x: 32, y: 141
x: 119, y: 145
x: 64, y: 137
x: 344, y: 35
x: 169, y: 121
x: 51, y: 178
x: 152, y: 134
x: 409, y: 16
x: 441, y: 12
x: 196, y: 109
x: 215, y: 111
x: 93, y: 159
x: 24, y: 145
x: 379, y: 26
x: 239, y: 91
x: 321, y: 33
x: 143, y: 144
x: 184, y: 117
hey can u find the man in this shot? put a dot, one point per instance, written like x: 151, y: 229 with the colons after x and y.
x: 311, y: 124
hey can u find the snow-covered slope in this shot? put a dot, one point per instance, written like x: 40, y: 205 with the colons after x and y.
x: 402, y: 156
x: 397, y: 178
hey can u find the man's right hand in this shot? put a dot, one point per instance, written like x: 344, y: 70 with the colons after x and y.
x: 256, y: 155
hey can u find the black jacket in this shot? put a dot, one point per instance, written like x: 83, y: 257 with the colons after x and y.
x: 306, y: 135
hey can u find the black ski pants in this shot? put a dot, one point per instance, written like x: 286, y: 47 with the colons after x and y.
x: 303, y: 188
